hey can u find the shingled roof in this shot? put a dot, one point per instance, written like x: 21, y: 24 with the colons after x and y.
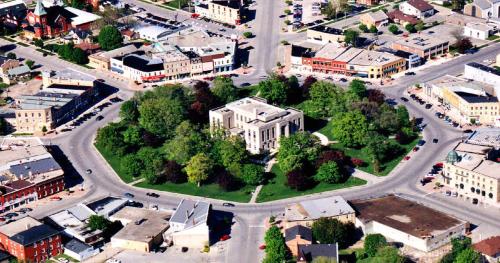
x: 490, y: 246
x: 421, y: 5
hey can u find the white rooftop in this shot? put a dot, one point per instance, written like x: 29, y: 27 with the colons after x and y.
x: 314, y: 209
x: 82, y: 16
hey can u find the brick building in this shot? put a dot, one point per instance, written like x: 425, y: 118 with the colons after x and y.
x: 29, y: 240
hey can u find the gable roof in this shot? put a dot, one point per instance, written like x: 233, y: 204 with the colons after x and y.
x: 398, y: 15
x: 191, y: 213
x: 420, y: 5
x: 377, y: 16
x: 490, y: 246
x: 304, y: 232
x: 309, y: 252
x: 39, y: 10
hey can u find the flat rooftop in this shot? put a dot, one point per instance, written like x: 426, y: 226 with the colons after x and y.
x: 44, y: 100
x: 485, y: 136
x: 21, y: 149
x: 483, y: 68
x: 314, y: 209
x: 144, y: 224
x: 374, y: 58
x: 421, y: 42
x: 330, y: 51
x: 107, y: 205
x: 404, y: 215
x: 72, y: 74
x: 19, y: 226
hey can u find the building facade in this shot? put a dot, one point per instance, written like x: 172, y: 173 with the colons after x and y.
x: 424, y: 46
x: 418, y: 8
x: 259, y: 123
x: 228, y: 12
x: 482, y: 73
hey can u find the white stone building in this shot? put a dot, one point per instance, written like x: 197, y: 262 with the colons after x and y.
x: 479, y: 30
x: 259, y: 123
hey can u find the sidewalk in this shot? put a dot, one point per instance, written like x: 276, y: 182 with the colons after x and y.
x: 368, y: 177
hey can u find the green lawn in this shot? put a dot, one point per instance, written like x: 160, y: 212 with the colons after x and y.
x: 209, y: 190
x: 276, y: 188
x: 386, y: 167
x: 327, y: 131
x: 177, y: 4
x: 242, y: 195
x: 114, y: 161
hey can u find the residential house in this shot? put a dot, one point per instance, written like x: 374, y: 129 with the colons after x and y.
x: 399, y: 17
x: 309, y: 252
x: 304, y: 213
x: 418, y: 8
x: 259, y: 123
x: 189, y: 224
x: 407, y: 222
x: 489, y: 249
x: 377, y: 19
x: 29, y: 240
x: 487, y: 9
x: 297, y: 235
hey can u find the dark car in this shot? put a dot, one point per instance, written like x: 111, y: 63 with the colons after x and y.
x: 155, y: 195
x: 435, y: 140
x: 404, y: 99
x: 10, y: 215
x: 428, y: 106
x: 25, y: 210
x: 135, y: 204
x: 468, y: 131
x: 115, y: 99
x: 409, y: 73
x: 421, y: 143
x: 343, y: 80
x: 246, y: 84
x: 100, y: 117
x: 100, y: 80
x: 228, y: 205
x: 128, y: 195
x: 184, y: 249
x: 88, y: 171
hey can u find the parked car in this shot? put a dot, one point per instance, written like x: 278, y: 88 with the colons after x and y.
x: 155, y: 195
x: 407, y: 157
x: 475, y: 201
x: 55, y: 198
x: 184, y: 249
x: 404, y: 99
x: 421, y: 142
x: 428, y: 106
x: 88, y: 171
x: 415, y: 148
x: 435, y: 140
x: 343, y: 80
x: 99, y: 118
x: 262, y: 247
x: 10, y: 215
x: 228, y: 205
x: 225, y: 237
x: 129, y: 195
x: 409, y: 73
x: 468, y: 131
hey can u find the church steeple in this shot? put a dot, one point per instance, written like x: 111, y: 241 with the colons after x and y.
x: 39, y: 10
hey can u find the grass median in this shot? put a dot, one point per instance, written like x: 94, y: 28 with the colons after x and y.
x: 276, y: 188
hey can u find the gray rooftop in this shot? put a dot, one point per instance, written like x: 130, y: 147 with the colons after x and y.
x: 314, y: 209
x: 107, y: 205
x: 485, y: 136
x: 35, y: 167
x: 76, y: 246
x: 189, y: 210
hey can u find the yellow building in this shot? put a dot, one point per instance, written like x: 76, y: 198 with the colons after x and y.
x: 472, y: 168
x: 306, y: 212
x: 376, y: 65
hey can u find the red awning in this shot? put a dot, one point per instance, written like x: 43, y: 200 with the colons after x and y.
x: 157, y: 77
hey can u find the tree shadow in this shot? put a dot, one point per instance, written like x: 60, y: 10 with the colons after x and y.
x: 220, y: 223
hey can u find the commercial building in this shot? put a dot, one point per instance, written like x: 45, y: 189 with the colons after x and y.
x: 306, y: 212
x: 228, y: 12
x: 143, y: 228
x: 12, y: 13
x: 424, y: 46
x: 377, y: 18
x: 404, y: 221
x: 152, y: 33
x: 471, y: 168
x: 417, y: 8
x: 30, y: 240
x: 259, y: 123
x: 138, y: 67
x: 325, y: 34
x: 189, y: 224
x: 489, y: 249
x: 469, y: 100
x: 482, y: 73
x: 102, y: 60
x: 63, y: 96
x: 479, y: 30
x: 28, y: 172
x: 333, y: 58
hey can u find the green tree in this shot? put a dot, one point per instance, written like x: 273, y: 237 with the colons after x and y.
x: 457, y: 4
x: 387, y: 254
x: 247, y: 34
x: 232, y: 150
x: 329, y: 173
x: 373, y: 242
x: 110, y: 38
x: 326, y: 100
x: 131, y: 165
x: 66, y: 51
x: 358, y: 87
x: 275, y: 246
x: 44, y: 129
x: 331, y: 231
x: 420, y: 26
x: 110, y: 138
x: 153, y: 162
x: 468, y: 255
x: 363, y: 28
x: 273, y: 90
x: 133, y: 135
x: 373, y: 29
x: 394, y: 29
x: 97, y: 222
x: 252, y: 174
x: 30, y: 63
x: 224, y: 90
x: 297, y: 149
x: 387, y: 121
x: 161, y: 115
x: 410, y: 28
x: 129, y: 111
x: 350, y: 128
x: 351, y: 37
x: 79, y: 56
x: 187, y: 142
x: 11, y: 55
x: 199, y: 168
x: 403, y: 116
x: 38, y: 43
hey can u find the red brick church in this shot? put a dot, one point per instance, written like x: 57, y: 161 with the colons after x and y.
x: 55, y: 21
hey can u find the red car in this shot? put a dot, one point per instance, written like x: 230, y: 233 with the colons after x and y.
x: 415, y: 149
x: 38, y: 77
x: 262, y: 247
x: 407, y: 157
x: 439, y: 165
x: 225, y: 237
x: 55, y: 198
